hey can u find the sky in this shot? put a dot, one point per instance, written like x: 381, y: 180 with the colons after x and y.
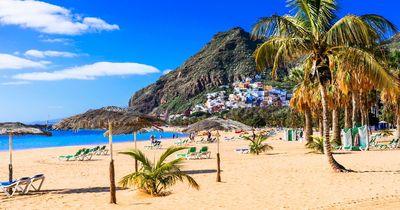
x: 59, y: 58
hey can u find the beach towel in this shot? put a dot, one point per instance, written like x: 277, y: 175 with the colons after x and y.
x: 363, y: 137
x: 346, y: 138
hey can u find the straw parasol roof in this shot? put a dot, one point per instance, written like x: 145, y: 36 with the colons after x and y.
x: 215, y: 123
x: 18, y: 129
x: 125, y: 121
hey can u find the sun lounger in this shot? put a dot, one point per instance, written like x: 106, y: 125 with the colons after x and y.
x: 86, y: 155
x: 103, y: 150
x: 9, y: 188
x: 245, y: 150
x: 204, y: 153
x: 37, y: 178
x: 71, y: 157
x: 26, y: 183
x: 393, y: 144
x: 156, y: 145
x: 191, y: 154
x: 23, y: 185
x: 184, y: 142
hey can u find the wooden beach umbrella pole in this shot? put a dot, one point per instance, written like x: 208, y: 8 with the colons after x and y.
x: 218, y: 160
x: 113, y: 198
x: 10, y: 167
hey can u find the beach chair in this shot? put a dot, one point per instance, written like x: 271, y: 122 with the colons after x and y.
x: 71, y: 157
x: 245, y: 150
x: 199, y: 141
x: 23, y: 185
x: 184, y: 142
x: 156, y: 145
x: 393, y: 144
x: 103, y: 150
x: 9, y: 188
x: 375, y: 145
x: 95, y: 150
x: 191, y: 154
x: 203, y: 152
x: 37, y: 178
x: 85, y: 155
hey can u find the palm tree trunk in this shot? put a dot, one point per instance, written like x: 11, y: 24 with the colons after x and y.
x: 356, y: 108
x: 335, y: 125
x: 320, y: 126
x: 327, y: 144
x: 398, y: 121
x: 347, y: 117
x: 308, y: 121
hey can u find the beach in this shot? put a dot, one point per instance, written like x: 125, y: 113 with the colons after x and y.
x: 288, y: 177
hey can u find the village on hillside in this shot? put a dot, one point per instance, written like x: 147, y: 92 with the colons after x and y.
x: 246, y: 94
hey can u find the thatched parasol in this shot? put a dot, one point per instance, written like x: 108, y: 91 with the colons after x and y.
x: 125, y: 121
x: 17, y: 129
x: 217, y: 124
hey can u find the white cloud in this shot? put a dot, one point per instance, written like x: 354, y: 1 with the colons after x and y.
x: 49, y: 18
x: 49, y: 53
x: 56, y: 40
x: 90, y: 72
x: 13, y: 62
x: 16, y: 83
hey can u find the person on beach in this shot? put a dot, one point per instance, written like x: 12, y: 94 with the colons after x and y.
x: 254, y: 135
x: 209, y: 136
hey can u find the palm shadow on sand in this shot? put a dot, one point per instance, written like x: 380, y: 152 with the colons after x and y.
x: 204, y: 171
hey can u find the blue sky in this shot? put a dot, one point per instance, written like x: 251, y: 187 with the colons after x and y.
x: 59, y: 58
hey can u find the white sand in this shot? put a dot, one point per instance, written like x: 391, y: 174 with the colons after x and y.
x: 286, y: 178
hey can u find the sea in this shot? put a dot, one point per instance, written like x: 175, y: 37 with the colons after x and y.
x: 76, y: 138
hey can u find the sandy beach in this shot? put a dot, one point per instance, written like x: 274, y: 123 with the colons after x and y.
x: 289, y: 177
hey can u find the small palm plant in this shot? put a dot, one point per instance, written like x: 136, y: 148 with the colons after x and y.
x: 156, y: 178
x: 317, y: 144
x: 257, y: 144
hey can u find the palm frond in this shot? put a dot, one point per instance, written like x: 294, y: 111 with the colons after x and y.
x: 364, y: 63
x: 351, y: 30
x: 275, y: 25
x: 277, y: 51
x: 381, y: 25
x: 167, y: 153
x: 139, y: 156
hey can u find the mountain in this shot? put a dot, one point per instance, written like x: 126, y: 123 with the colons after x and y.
x: 227, y: 58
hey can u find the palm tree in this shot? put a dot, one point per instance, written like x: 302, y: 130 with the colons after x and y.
x: 323, y: 43
x: 155, y: 178
x: 257, y: 144
x: 392, y: 96
x: 301, y: 99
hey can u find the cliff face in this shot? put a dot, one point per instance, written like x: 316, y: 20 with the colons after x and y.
x: 225, y: 59
x: 394, y: 42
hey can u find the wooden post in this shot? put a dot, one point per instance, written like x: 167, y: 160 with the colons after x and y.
x: 113, y: 198
x: 136, y: 162
x: 10, y: 167
x: 218, y: 160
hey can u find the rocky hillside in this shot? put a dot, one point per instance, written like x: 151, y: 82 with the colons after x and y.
x: 225, y: 59
x: 394, y: 42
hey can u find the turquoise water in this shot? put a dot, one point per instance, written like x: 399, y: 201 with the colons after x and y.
x: 70, y: 138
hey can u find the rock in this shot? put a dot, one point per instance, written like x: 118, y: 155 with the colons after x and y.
x: 227, y: 58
